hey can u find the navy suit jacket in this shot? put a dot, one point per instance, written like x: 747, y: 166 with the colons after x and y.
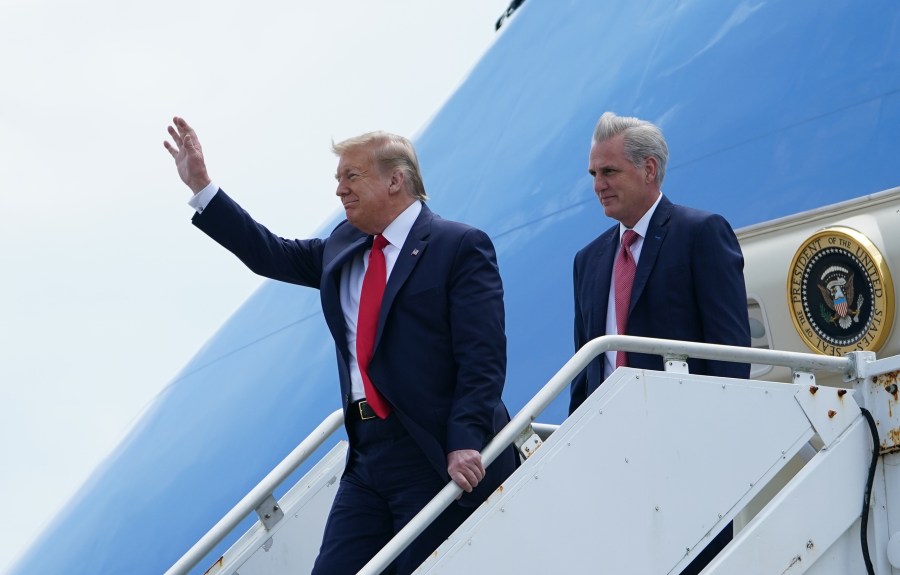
x: 440, y: 347
x: 689, y: 286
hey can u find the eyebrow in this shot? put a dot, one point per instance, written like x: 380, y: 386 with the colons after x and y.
x: 345, y: 170
x: 348, y: 169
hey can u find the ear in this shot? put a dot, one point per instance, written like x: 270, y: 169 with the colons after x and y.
x: 650, y: 168
x: 398, y: 181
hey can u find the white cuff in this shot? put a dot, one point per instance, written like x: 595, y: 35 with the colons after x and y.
x: 201, y: 199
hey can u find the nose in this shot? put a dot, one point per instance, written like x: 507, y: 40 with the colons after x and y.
x: 599, y: 183
x: 341, y: 190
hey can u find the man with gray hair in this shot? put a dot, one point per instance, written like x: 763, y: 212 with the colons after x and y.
x: 663, y: 271
x: 415, y: 306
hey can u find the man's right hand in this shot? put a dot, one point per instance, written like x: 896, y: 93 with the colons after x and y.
x: 188, y: 155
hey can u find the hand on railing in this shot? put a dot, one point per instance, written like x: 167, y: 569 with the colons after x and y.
x: 561, y: 380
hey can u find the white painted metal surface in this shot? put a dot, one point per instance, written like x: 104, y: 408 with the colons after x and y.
x: 293, y: 544
x: 813, y: 512
x: 637, y: 480
x: 258, y: 494
x: 560, y: 381
x: 653, y: 465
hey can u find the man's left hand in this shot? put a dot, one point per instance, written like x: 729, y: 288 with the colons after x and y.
x: 465, y: 468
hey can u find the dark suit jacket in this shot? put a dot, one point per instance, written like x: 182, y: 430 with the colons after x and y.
x: 689, y: 286
x: 440, y: 348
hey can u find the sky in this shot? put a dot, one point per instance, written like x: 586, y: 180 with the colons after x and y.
x: 107, y: 290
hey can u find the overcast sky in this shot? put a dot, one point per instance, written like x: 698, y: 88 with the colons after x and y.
x: 107, y: 290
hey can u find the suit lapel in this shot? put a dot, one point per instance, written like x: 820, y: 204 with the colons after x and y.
x: 656, y: 233
x: 410, y: 255
x: 331, y: 289
x: 603, y: 277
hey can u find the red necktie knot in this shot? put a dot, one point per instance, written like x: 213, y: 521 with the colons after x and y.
x: 380, y: 242
x: 629, y: 237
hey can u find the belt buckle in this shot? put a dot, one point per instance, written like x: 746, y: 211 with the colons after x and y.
x: 367, y: 413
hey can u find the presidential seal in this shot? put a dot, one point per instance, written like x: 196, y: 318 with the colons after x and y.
x: 840, y: 293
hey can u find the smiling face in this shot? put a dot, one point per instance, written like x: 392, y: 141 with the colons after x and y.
x: 626, y: 191
x: 369, y: 197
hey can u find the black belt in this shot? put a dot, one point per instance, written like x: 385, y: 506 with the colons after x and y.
x: 360, y: 411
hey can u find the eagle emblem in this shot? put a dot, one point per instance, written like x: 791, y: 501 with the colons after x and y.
x: 840, y: 292
x: 836, y: 286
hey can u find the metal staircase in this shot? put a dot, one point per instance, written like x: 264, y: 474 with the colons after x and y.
x: 645, y: 472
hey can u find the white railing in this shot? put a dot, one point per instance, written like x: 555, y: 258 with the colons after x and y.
x: 259, y: 494
x: 669, y: 349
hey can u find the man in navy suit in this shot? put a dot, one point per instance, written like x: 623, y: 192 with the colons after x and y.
x: 688, y: 269
x: 423, y: 398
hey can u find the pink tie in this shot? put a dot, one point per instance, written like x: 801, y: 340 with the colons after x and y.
x: 623, y: 274
x: 367, y: 323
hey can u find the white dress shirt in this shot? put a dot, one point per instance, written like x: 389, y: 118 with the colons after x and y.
x: 609, y: 363
x: 352, y: 276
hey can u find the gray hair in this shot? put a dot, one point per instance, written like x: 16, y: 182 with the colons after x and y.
x: 641, y: 140
x: 389, y: 152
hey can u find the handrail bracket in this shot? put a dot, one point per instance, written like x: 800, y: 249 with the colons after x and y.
x: 528, y: 442
x: 676, y: 363
x: 269, y: 512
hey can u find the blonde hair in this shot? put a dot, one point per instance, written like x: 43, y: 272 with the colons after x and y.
x: 389, y: 152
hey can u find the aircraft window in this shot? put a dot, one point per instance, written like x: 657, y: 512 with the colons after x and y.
x: 760, y: 337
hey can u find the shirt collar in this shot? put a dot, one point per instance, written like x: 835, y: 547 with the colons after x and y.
x: 398, y: 230
x: 642, y: 224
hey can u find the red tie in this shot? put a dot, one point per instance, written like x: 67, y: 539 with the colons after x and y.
x: 623, y: 272
x: 367, y: 323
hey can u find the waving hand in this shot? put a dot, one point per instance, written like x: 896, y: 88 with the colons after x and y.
x: 188, y: 155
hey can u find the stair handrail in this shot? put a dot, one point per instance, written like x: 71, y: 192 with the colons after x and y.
x: 798, y: 362
x: 258, y: 494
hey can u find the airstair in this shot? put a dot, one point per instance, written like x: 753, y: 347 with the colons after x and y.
x: 643, y: 475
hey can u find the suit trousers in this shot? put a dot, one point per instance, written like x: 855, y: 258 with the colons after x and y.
x: 386, y: 483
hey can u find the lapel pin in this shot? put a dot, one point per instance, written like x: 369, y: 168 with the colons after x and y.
x: 415, y: 252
